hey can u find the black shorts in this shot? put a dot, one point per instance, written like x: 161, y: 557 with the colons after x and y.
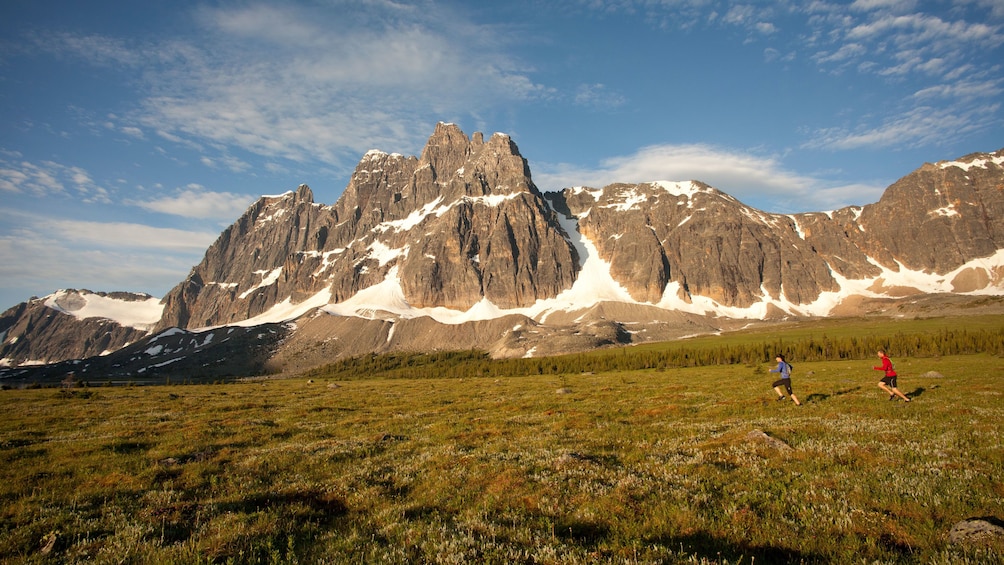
x: 890, y: 381
x: 786, y: 383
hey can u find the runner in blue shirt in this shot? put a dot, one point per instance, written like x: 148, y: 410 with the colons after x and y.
x: 785, y: 381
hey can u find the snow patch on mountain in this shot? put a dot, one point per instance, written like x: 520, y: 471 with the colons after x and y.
x: 268, y: 278
x: 979, y: 163
x: 686, y: 189
x: 141, y: 314
x: 946, y: 211
x: 286, y: 310
x: 384, y: 254
x: 630, y: 199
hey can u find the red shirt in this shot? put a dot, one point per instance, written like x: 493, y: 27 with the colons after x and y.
x: 887, y: 367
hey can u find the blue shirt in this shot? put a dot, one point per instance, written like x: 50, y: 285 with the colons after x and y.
x: 784, y: 369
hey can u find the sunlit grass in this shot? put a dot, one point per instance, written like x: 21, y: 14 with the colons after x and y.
x: 629, y: 467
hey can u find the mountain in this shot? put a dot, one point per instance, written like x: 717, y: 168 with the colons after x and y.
x: 73, y: 324
x: 461, y: 224
x: 458, y: 249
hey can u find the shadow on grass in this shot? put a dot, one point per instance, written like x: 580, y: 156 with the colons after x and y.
x: 128, y: 447
x: 704, y: 546
x: 583, y: 532
x: 820, y: 396
x: 916, y: 392
x: 324, y: 505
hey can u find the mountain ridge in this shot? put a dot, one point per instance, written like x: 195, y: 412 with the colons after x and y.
x: 447, y: 243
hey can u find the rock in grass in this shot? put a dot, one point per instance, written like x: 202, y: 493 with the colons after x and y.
x: 761, y: 436
x: 977, y: 530
x: 47, y: 543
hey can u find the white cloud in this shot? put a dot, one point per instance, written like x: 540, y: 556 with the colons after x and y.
x: 844, y: 53
x: 325, y: 84
x: 47, y: 264
x: 48, y: 178
x: 124, y: 235
x: 13, y: 180
x: 196, y: 202
x: 597, y: 95
x: 968, y: 89
x: 756, y: 180
x: 894, y: 5
x: 232, y: 164
x: 40, y: 254
x: 133, y: 132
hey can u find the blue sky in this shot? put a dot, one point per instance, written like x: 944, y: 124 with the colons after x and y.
x: 132, y: 133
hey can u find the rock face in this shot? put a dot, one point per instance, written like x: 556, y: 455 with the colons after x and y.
x: 459, y: 224
x: 939, y: 217
x: 689, y: 239
x: 462, y: 232
x: 242, y: 272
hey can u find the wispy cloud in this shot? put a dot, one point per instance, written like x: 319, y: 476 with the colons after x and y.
x: 898, y: 41
x: 598, y: 96
x: 920, y: 125
x: 760, y: 181
x: 34, y: 264
x: 38, y: 252
x: 195, y: 201
x: 48, y: 178
x: 321, y: 84
x: 124, y: 235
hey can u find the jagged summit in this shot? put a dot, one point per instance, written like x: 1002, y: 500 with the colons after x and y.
x: 457, y: 248
x: 460, y: 224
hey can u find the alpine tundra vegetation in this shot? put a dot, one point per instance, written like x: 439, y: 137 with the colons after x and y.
x: 459, y: 458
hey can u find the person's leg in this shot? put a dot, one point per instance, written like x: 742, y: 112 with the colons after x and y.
x: 787, y: 386
x: 883, y: 386
x: 786, y: 383
x: 897, y: 392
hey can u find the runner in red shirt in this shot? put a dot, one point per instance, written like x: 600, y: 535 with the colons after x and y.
x: 888, y: 382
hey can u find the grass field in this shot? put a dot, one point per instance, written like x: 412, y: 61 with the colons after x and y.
x: 654, y: 466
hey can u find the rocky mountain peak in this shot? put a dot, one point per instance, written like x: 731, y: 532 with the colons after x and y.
x: 446, y: 151
x: 304, y: 194
x: 461, y: 223
x: 472, y: 166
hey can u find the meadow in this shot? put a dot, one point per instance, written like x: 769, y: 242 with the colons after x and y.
x: 656, y: 465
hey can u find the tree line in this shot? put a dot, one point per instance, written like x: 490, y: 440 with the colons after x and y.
x: 472, y: 363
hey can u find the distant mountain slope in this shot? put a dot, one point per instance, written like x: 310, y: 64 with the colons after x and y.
x: 73, y: 324
x: 457, y: 248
